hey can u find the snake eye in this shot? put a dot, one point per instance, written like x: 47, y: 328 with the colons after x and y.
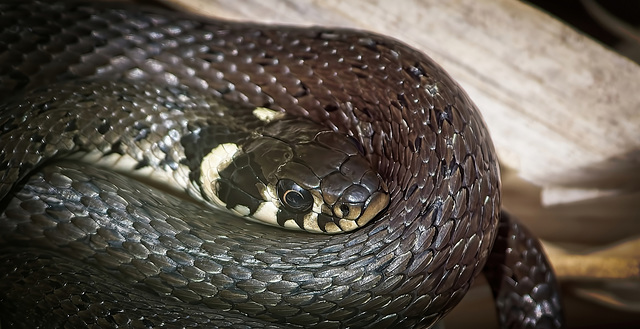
x: 294, y: 197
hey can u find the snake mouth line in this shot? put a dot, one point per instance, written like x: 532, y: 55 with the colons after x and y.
x: 376, y: 206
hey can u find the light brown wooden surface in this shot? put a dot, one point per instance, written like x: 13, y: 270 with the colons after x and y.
x: 563, y: 111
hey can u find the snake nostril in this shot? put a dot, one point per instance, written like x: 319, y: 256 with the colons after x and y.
x: 344, y: 209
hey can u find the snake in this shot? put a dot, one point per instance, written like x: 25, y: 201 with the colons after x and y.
x: 161, y: 169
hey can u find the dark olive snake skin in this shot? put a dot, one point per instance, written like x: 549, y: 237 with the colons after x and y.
x: 86, y: 247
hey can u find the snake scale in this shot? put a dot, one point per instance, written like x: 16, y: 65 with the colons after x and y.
x: 84, y: 245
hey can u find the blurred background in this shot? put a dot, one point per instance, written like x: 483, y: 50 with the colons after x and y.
x: 614, y: 23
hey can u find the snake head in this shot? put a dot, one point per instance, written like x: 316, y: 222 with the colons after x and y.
x: 298, y: 175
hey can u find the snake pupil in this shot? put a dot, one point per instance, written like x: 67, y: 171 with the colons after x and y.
x: 294, y: 197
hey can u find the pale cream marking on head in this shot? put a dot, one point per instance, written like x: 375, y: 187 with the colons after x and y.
x: 317, y: 202
x: 347, y: 225
x: 267, y: 115
x: 332, y: 228
x: 376, y: 204
x: 291, y: 224
x: 267, y: 212
x: 311, y: 223
x: 218, y: 159
x: 270, y: 194
x: 241, y: 210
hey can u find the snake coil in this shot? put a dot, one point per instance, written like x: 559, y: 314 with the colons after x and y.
x: 86, y: 246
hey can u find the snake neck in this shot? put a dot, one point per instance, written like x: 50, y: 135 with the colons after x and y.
x: 130, y: 127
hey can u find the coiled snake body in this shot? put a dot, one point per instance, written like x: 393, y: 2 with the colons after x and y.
x: 151, y: 94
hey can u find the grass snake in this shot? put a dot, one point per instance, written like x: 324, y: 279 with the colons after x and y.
x: 133, y: 141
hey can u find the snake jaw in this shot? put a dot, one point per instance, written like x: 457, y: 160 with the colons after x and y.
x: 375, y: 205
